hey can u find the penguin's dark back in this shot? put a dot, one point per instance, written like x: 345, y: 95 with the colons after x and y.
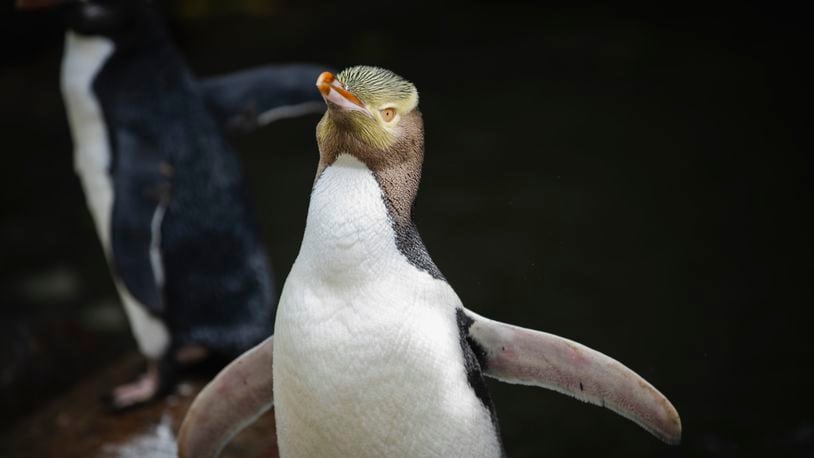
x: 172, y: 167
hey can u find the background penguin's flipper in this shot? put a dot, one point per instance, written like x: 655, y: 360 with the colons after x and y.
x: 246, y: 100
x: 141, y: 198
x: 527, y: 357
x: 239, y: 394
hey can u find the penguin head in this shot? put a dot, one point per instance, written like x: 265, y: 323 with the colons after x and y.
x: 372, y: 114
x: 120, y: 20
x: 97, y: 17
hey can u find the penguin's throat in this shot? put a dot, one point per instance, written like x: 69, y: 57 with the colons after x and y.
x: 349, y: 231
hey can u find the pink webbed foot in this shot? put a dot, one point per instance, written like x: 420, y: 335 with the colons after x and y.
x: 143, y: 389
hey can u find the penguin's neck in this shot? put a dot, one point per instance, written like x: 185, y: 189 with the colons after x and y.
x: 349, y: 236
x: 82, y: 61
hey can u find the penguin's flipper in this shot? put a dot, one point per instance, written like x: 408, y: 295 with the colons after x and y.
x: 239, y: 394
x: 246, y: 100
x: 523, y: 356
x: 136, y: 227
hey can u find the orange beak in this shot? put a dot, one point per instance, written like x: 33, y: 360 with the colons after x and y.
x: 333, y: 92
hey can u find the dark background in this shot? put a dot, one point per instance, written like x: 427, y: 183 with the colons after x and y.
x: 633, y: 179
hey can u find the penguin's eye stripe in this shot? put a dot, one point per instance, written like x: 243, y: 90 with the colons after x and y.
x: 388, y: 114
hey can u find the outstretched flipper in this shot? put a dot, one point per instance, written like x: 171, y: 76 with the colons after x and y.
x: 246, y: 100
x: 244, y: 389
x: 522, y: 356
x: 239, y: 394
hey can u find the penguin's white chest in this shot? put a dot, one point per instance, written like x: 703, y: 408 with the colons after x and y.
x: 84, y: 58
x: 367, y: 356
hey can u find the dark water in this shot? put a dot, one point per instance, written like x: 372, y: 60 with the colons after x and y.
x: 633, y: 180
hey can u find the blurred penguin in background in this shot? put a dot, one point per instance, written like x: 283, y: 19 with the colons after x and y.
x: 169, y: 201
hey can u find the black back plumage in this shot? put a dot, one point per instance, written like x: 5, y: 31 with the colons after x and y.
x: 178, y: 187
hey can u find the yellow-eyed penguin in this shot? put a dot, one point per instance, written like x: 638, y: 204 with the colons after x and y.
x: 373, y: 353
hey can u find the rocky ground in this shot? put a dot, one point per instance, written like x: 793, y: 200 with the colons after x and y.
x: 76, y: 425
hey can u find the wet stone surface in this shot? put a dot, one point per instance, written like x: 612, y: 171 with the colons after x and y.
x: 76, y: 424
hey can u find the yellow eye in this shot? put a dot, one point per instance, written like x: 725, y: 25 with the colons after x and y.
x: 388, y: 114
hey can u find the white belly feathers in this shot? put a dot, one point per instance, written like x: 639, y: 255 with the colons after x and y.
x: 82, y: 61
x: 367, y: 359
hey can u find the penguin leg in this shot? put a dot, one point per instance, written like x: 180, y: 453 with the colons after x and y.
x: 140, y: 390
x: 155, y: 382
x: 161, y: 376
x: 190, y: 355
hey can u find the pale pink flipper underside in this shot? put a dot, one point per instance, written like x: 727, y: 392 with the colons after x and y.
x: 527, y: 357
x: 239, y: 394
